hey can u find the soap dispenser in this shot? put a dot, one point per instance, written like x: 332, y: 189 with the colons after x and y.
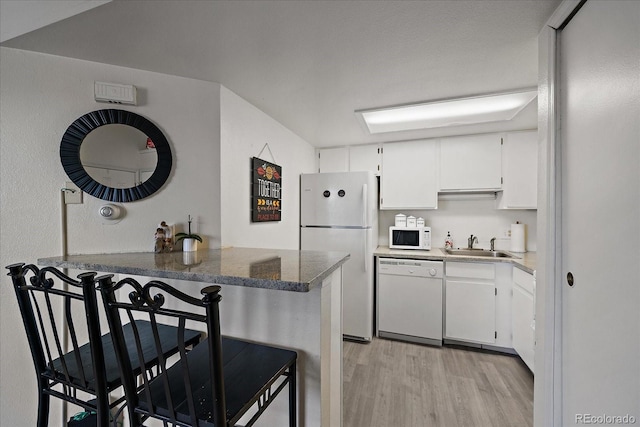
x: 448, y: 241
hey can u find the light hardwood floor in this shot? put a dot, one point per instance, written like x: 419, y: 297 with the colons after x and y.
x: 390, y: 383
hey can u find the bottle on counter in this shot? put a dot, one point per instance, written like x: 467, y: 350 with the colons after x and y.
x: 448, y: 241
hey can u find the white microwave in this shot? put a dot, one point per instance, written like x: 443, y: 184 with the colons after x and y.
x: 410, y: 238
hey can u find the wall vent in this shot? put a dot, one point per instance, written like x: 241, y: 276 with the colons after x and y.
x: 114, y: 93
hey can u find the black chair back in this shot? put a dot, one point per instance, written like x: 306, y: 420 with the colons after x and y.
x: 169, y: 395
x: 62, y: 372
x: 216, y: 382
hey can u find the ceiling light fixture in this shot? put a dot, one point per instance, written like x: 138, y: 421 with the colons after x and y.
x: 448, y: 112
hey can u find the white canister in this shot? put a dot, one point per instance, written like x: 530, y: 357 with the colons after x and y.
x: 411, y: 221
x: 420, y: 222
x: 401, y: 220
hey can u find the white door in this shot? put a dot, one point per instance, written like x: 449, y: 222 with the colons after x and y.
x: 523, y: 338
x: 364, y: 158
x: 409, y: 175
x: 600, y: 209
x: 333, y: 160
x: 338, y: 199
x: 520, y: 170
x: 471, y: 162
x: 470, y: 311
x: 357, y: 273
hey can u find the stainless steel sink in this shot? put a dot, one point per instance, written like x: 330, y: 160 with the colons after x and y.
x: 479, y: 253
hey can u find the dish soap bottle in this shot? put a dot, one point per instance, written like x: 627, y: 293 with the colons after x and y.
x: 448, y: 241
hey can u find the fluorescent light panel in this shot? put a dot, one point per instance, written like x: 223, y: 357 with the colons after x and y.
x: 453, y: 112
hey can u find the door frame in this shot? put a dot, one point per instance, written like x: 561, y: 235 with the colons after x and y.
x: 548, y: 293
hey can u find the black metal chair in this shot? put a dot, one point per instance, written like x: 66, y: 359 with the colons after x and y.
x: 88, y: 373
x: 215, y: 384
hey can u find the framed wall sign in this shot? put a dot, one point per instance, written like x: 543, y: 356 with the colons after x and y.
x: 266, y: 191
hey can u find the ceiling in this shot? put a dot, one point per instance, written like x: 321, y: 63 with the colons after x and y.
x: 310, y: 64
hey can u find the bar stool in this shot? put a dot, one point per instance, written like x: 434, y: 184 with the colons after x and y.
x: 88, y: 373
x: 217, y: 382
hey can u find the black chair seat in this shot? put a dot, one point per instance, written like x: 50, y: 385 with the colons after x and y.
x: 166, y: 335
x: 220, y: 381
x: 248, y: 369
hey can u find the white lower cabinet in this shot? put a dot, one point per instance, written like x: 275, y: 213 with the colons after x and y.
x: 523, y: 312
x: 471, y: 311
x: 478, y: 303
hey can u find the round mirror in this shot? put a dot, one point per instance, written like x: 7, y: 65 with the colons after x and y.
x: 116, y: 155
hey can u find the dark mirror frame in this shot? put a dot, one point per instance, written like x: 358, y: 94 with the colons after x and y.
x: 77, y: 132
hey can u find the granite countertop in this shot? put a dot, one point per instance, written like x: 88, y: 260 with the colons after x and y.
x: 288, y: 270
x: 524, y: 261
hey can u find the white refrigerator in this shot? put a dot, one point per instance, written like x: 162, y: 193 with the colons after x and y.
x: 339, y: 212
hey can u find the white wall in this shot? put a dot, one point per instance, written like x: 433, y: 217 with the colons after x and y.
x: 40, y: 95
x: 240, y: 142
x: 43, y: 94
x: 20, y: 17
x: 465, y: 217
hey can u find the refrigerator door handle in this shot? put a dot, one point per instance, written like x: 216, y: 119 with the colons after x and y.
x: 365, y: 265
x: 364, y: 204
x: 365, y: 200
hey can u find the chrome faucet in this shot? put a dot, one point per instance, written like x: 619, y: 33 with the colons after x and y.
x: 471, y: 240
x: 493, y: 244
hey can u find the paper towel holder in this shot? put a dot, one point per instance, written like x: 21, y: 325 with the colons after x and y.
x: 518, y: 237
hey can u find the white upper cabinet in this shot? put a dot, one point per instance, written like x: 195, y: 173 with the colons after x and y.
x: 409, y: 175
x: 333, y: 159
x: 520, y: 171
x: 356, y: 158
x: 364, y: 158
x: 471, y: 163
x: 413, y: 172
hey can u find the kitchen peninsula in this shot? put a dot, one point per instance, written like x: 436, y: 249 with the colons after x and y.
x: 287, y: 298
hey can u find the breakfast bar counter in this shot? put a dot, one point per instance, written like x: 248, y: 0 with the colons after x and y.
x: 288, y: 270
x: 286, y: 298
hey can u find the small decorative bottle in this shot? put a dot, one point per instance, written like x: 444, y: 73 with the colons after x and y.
x: 448, y: 241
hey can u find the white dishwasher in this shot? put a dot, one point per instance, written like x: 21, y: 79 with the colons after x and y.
x: 409, y: 300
